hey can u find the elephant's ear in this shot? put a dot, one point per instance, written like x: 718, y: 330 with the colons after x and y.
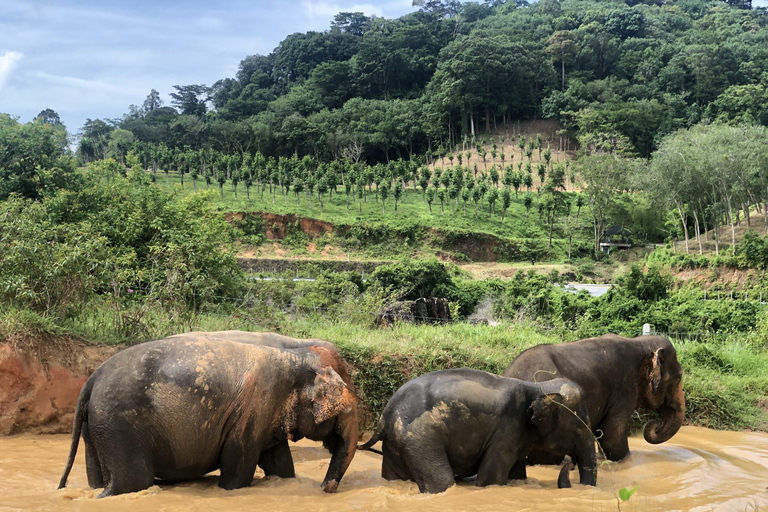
x: 545, y: 413
x: 654, y: 373
x: 330, y: 395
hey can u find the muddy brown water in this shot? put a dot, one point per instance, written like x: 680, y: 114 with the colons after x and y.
x: 698, y: 470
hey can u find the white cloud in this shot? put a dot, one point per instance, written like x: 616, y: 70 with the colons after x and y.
x: 7, y: 65
x: 84, y: 84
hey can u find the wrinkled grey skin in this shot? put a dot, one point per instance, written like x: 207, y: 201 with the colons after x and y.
x: 179, y: 408
x: 278, y: 461
x: 619, y: 375
x: 460, y: 423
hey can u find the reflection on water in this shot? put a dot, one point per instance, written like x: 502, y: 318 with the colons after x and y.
x: 699, y: 470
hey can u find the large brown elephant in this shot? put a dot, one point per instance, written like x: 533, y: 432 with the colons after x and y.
x: 179, y: 408
x: 278, y: 461
x: 618, y: 375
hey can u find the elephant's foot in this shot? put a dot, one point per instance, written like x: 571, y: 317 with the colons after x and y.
x: 563, y: 479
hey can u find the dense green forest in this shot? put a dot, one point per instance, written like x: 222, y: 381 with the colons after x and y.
x: 621, y: 74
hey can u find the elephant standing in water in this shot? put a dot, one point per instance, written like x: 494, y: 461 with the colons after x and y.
x: 618, y: 375
x: 460, y: 423
x: 278, y: 461
x: 179, y: 408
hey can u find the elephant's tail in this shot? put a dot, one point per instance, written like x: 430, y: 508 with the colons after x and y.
x: 378, y: 435
x: 82, y: 402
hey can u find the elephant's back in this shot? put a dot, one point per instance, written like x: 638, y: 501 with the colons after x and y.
x: 174, y: 373
x: 448, y: 392
x: 572, y: 360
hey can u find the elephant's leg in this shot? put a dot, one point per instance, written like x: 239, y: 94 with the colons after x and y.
x: 92, y: 464
x: 277, y: 461
x: 614, y: 436
x: 392, y: 467
x: 238, y: 463
x: 518, y: 471
x: 494, y: 468
x: 430, y: 468
x: 127, y: 464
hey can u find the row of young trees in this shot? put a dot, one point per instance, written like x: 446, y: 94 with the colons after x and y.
x: 307, y: 175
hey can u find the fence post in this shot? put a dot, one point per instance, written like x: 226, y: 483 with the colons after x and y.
x: 646, y: 329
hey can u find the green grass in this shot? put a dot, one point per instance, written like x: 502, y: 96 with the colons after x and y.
x: 411, y: 210
x: 725, y: 381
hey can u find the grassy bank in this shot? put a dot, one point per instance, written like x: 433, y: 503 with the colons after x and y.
x: 725, y: 380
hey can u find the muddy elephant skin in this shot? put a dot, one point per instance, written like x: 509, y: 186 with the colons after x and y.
x: 619, y: 375
x: 464, y: 422
x: 179, y: 408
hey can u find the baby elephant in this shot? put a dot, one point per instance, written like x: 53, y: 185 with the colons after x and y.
x: 460, y: 423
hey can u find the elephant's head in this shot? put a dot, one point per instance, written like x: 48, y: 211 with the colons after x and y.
x: 328, y: 413
x: 560, y: 416
x: 661, y: 389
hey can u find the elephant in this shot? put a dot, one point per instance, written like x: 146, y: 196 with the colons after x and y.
x: 179, y: 408
x: 265, y: 339
x: 465, y: 422
x: 278, y: 461
x: 620, y: 376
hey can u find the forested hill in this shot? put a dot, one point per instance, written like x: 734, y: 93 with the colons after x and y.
x: 615, y: 74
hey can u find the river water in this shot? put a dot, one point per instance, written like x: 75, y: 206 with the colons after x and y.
x: 699, y: 470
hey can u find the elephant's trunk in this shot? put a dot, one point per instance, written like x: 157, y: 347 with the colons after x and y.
x: 672, y: 414
x: 344, y: 449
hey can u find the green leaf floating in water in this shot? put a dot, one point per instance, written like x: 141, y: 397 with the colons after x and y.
x: 625, y: 494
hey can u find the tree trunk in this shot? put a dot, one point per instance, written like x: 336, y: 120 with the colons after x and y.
x: 746, y: 214
x: 562, y: 66
x: 698, y: 230
x: 733, y: 228
x: 685, y: 225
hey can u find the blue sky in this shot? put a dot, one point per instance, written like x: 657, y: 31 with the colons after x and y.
x: 94, y: 58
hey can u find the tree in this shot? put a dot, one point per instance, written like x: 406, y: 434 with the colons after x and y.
x: 221, y: 178
x: 322, y: 188
x: 465, y: 196
x: 398, y: 192
x: 506, y: 201
x: 34, y: 159
x: 430, y: 197
x: 152, y: 102
x: 493, y: 195
x: 120, y: 142
x: 383, y: 190
x: 441, y: 197
x: 190, y: 99
x: 49, y: 116
x: 298, y: 188
x: 562, y: 47
x: 527, y: 202
x: 476, y: 195
x: 355, y: 23
x: 603, y: 176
